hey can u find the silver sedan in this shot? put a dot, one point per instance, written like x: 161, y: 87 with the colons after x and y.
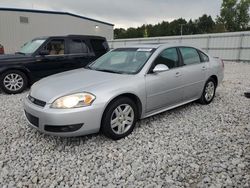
x: 122, y: 86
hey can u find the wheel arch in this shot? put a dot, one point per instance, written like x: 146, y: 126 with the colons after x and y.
x: 131, y: 96
x: 21, y: 69
x: 215, y: 79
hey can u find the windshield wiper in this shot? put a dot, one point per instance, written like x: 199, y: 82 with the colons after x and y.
x: 20, y: 53
x: 89, y: 67
x: 110, y: 71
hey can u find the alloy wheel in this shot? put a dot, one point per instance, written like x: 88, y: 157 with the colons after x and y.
x: 209, y: 91
x: 122, y: 119
x: 13, y: 82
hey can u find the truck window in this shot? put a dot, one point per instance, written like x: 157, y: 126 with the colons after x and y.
x: 99, y: 46
x: 77, y: 46
x: 55, y: 47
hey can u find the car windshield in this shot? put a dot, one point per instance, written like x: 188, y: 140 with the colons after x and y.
x: 32, y: 46
x: 123, y: 60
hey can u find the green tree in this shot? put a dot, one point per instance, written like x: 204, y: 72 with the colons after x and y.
x: 243, y: 17
x: 205, y: 24
x: 176, y: 26
x: 119, y: 33
x: 145, y: 34
x: 234, y: 14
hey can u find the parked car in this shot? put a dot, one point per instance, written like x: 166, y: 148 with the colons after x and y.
x: 45, y: 56
x: 1, y: 49
x: 124, y: 85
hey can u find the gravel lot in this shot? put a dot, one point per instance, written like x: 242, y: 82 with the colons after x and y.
x: 191, y: 146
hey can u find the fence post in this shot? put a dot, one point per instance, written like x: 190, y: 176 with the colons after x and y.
x: 208, y: 43
x: 180, y: 40
x: 240, y: 47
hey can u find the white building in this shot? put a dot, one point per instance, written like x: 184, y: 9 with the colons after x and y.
x: 18, y: 26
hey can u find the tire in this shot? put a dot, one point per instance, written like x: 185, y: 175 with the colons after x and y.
x: 123, y: 120
x: 208, y: 92
x: 13, y: 82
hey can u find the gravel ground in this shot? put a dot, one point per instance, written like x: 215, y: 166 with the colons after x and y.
x: 191, y: 146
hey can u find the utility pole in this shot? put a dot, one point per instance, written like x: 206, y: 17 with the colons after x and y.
x: 182, y: 28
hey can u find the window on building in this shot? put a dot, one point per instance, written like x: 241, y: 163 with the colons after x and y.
x: 24, y: 20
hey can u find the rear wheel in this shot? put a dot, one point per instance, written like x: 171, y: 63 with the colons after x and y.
x: 13, y: 82
x: 208, y: 92
x: 119, y: 118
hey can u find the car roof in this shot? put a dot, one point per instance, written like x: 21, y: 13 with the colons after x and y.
x: 158, y: 45
x: 151, y: 45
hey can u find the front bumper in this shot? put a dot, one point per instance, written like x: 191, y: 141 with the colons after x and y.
x: 64, y: 122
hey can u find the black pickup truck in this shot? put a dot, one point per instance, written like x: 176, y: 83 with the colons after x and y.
x: 45, y: 56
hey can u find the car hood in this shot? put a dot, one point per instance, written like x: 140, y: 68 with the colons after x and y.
x: 13, y: 57
x: 79, y: 80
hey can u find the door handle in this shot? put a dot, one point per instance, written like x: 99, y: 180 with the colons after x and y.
x: 204, y: 68
x: 177, y: 74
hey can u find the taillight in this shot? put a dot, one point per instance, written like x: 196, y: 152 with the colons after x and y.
x: 1, y: 49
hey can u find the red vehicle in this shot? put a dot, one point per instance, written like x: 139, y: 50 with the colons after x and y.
x: 1, y: 49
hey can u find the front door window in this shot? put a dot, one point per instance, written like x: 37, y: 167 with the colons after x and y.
x: 55, y: 47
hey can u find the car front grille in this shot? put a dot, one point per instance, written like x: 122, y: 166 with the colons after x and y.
x: 32, y: 119
x: 36, y: 101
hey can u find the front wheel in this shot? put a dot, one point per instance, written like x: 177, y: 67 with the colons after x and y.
x: 208, y: 92
x: 119, y: 118
x: 13, y: 82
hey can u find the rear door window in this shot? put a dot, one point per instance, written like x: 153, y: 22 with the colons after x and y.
x: 77, y: 46
x: 190, y: 55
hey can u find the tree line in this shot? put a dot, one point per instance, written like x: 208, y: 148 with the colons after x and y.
x: 234, y: 16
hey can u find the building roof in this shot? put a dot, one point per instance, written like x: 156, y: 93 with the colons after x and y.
x: 53, y: 12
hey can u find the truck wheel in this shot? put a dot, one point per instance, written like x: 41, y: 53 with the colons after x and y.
x: 13, y: 82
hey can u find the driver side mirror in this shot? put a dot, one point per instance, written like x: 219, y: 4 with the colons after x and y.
x: 44, y: 52
x: 160, y: 68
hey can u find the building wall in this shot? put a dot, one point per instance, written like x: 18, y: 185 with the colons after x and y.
x: 228, y: 46
x: 14, y: 34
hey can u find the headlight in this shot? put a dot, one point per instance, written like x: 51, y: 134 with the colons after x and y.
x: 73, y: 101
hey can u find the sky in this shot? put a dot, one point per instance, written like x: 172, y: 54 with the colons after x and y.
x: 125, y: 13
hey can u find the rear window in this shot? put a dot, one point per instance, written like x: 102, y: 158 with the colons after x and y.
x: 99, y: 45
